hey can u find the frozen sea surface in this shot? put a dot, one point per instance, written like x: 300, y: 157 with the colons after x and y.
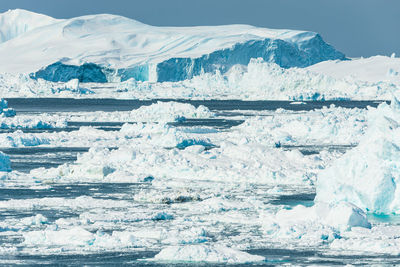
x: 53, y: 216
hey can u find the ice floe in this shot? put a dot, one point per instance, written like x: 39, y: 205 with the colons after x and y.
x: 206, y: 253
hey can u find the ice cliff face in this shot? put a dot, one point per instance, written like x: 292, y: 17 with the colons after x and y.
x: 103, y: 48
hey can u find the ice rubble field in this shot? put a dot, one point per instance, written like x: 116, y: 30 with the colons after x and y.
x: 151, y: 183
x: 194, y: 194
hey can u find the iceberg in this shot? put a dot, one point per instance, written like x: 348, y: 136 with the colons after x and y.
x: 206, y: 253
x: 113, y: 48
x: 368, y: 176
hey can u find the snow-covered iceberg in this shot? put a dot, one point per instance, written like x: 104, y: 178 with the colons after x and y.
x: 369, y: 175
x: 101, y: 48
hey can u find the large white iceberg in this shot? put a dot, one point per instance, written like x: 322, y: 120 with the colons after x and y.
x: 107, y: 47
x: 368, y: 176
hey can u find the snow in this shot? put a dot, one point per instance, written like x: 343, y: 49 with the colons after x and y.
x: 107, y: 47
x: 206, y: 253
x: 367, y: 176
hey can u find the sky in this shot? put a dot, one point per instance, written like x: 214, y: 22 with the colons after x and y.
x: 355, y: 27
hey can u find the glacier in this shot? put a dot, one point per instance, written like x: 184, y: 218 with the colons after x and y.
x: 108, y: 48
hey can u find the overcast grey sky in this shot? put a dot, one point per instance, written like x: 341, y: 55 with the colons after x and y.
x: 355, y: 27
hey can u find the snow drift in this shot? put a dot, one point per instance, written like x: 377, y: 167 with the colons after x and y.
x: 101, y: 48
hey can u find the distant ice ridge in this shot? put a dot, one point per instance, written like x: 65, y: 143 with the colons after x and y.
x: 108, y: 47
x: 368, y: 176
x: 256, y: 81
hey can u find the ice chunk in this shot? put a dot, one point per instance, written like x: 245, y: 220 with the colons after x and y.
x: 313, y: 225
x: 169, y: 111
x: 342, y: 216
x: 206, y: 253
x: 5, y: 164
x: 381, y: 239
x: 38, y: 219
x: 76, y: 237
x: 4, y: 110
